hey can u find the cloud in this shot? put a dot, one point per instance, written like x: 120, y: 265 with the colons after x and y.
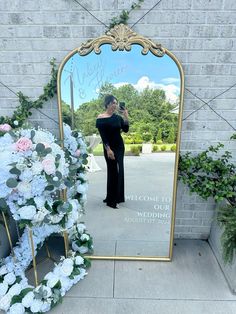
x: 171, y: 90
x: 169, y: 80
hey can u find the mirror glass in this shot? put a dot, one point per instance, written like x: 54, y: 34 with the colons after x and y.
x: 150, y: 88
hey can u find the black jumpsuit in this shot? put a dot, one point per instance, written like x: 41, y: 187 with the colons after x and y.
x: 110, y: 131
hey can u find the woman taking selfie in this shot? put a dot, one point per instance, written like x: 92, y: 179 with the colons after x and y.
x: 110, y: 125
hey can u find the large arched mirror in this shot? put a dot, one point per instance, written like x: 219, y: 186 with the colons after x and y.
x: 149, y: 80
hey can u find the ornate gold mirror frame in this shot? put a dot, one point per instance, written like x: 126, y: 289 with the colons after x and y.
x: 121, y: 37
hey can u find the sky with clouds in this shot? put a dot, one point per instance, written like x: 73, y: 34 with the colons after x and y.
x: 89, y: 73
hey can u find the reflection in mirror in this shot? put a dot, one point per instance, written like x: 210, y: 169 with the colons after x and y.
x: 150, y: 88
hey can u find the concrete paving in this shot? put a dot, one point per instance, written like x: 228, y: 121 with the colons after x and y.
x: 141, y: 226
x: 191, y: 284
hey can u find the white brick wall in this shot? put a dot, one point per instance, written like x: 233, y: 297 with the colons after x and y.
x: 201, y: 33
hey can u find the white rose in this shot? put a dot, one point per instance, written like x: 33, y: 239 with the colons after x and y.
x: 68, y: 261
x: 36, y: 306
x: 84, y: 237
x: 81, y: 188
x: 39, y: 216
x: 52, y: 280
x: 3, y: 288
x: 45, y: 307
x: 28, y: 299
x: 65, y: 283
x: 5, y: 302
x: 37, y: 167
x: 79, y: 260
x: 48, y: 290
x: 27, y: 212
x: 82, y: 249
x: 55, y: 218
x: 75, y: 246
x: 17, y: 308
x: 3, y: 270
x: 81, y: 228
x: 10, y: 278
x: 66, y: 269
x: 75, y: 204
x: 15, y: 289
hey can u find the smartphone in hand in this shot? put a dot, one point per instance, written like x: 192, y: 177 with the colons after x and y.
x: 122, y: 106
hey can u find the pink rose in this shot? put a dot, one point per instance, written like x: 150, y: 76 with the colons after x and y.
x: 23, y: 144
x: 77, y: 153
x: 49, y: 166
x: 5, y: 127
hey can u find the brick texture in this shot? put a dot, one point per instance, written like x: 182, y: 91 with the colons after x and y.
x: 200, y: 33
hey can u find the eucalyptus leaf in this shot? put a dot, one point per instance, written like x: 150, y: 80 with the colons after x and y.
x: 15, y: 171
x: 49, y: 187
x: 32, y: 134
x: 3, y: 204
x: 40, y: 148
x: 12, y: 183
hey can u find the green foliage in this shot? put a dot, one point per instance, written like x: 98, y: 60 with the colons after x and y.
x: 159, y: 142
x: 163, y: 148
x: 124, y: 16
x: 23, y: 111
x: 137, y: 139
x: 159, y: 136
x: 147, y: 137
x: 171, y: 137
x: 135, y: 150
x: 226, y: 217
x: 173, y: 148
x: 155, y: 148
x: 209, y: 175
x: 147, y: 111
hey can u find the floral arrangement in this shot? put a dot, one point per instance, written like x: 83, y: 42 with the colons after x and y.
x: 35, y: 171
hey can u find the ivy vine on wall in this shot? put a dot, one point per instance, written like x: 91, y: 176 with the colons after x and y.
x: 23, y: 111
x: 213, y: 174
x: 124, y: 16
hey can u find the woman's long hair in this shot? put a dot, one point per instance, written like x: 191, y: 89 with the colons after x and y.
x: 109, y: 99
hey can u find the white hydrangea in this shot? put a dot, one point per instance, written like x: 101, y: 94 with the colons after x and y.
x: 37, y: 167
x: 3, y: 270
x: 27, y: 212
x: 3, y: 288
x: 17, y: 308
x: 43, y: 136
x: 10, y: 278
x: 36, y: 306
x: 45, y: 307
x: 28, y: 299
x: 5, y: 302
x: 15, y: 289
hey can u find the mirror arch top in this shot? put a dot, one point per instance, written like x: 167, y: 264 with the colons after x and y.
x: 121, y: 38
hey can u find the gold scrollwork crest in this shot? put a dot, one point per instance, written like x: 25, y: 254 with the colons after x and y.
x: 121, y: 37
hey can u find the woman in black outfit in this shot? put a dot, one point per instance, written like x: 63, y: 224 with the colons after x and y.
x: 110, y: 125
